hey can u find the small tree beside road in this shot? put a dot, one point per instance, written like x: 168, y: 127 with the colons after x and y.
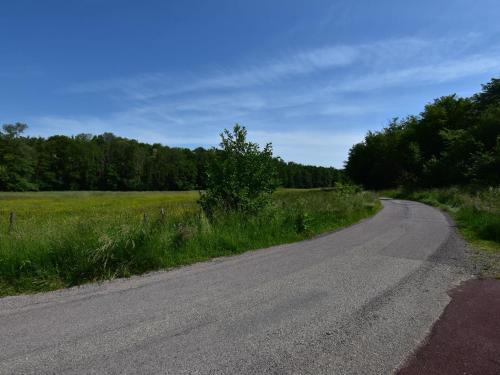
x: 241, y: 176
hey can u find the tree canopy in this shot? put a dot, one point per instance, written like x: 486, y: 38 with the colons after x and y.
x: 110, y: 162
x: 454, y: 141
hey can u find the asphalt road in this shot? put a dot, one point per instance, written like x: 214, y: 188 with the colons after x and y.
x: 356, y: 301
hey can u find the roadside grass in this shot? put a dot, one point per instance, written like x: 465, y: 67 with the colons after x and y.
x: 64, y: 239
x: 477, y: 214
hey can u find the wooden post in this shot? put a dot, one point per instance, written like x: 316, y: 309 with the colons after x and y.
x: 145, y: 218
x: 162, y: 214
x: 12, y: 220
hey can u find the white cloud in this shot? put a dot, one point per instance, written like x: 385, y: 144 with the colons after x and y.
x: 378, y: 54
x: 326, y: 147
x: 147, y: 86
x: 273, y: 96
x: 432, y: 73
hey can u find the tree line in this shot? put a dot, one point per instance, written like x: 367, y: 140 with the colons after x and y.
x: 454, y: 141
x: 110, y: 162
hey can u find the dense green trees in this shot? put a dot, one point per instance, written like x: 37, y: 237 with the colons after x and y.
x: 16, y: 159
x: 293, y: 175
x: 108, y: 162
x: 454, y: 141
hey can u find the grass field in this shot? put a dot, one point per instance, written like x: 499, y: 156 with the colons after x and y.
x: 477, y: 214
x: 61, y: 239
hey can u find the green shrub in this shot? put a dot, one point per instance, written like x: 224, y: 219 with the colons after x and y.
x: 303, y: 222
x: 241, y: 177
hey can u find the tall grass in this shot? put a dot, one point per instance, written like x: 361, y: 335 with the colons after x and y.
x: 66, y: 239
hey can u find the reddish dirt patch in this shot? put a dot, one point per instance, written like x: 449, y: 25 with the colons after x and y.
x: 466, y: 339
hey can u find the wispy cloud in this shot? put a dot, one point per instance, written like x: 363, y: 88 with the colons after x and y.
x: 147, y: 86
x: 326, y: 89
x: 369, y: 57
x: 431, y: 73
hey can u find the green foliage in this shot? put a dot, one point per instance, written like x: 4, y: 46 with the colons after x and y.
x: 489, y: 95
x: 303, y: 222
x: 69, y: 238
x: 241, y: 177
x: 347, y: 188
x: 454, y: 141
x: 16, y: 159
x: 108, y: 162
x: 293, y: 175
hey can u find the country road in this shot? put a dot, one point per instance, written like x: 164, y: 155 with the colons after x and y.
x: 357, y: 301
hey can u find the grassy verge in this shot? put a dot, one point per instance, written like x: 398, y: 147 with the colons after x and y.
x: 63, y: 239
x: 477, y: 214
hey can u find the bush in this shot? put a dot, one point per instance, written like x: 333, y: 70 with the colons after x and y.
x: 241, y: 177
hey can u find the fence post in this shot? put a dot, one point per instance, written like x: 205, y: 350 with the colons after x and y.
x: 12, y: 220
x: 162, y: 214
x: 145, y: 218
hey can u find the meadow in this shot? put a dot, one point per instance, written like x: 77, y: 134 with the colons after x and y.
x: 61, y: 239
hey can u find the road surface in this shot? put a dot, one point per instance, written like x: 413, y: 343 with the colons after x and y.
x: 357, y: 301
x: 466, y: 338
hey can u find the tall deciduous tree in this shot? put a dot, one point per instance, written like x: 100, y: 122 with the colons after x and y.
x: 17, y: 159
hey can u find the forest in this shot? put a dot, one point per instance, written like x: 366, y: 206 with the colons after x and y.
x: 108, y: 162
x: 455, y: 141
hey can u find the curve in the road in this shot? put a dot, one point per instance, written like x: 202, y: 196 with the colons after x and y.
x: 355, y: 301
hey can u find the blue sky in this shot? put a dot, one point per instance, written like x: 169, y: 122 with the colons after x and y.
x: 309, y: 76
